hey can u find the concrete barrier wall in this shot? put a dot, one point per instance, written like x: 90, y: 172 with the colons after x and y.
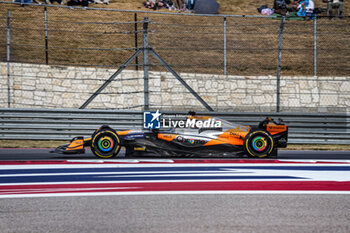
x: 47, y: 86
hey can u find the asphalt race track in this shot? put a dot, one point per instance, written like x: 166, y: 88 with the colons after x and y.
x: 301, y: 191
x: 177, y: 214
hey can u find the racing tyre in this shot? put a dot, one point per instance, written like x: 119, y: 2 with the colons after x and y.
x: 258, y: 144
x: 105, y: 143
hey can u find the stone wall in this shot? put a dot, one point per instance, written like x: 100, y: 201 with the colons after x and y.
x: 44, y: 86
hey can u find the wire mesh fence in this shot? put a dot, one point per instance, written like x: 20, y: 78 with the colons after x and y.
x: 333, y: 50
x: 231, y: 61
x: 63, y: 36
x: 189, y: 43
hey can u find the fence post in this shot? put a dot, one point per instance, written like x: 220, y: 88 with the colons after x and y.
x: 111, y: 78
x: 8, y: 60
x: 225, y: 47
x: 46, y: 37
x: 145, y: 63
x: 315, y: 46
x: 279, y: 60
x: 136, y: 45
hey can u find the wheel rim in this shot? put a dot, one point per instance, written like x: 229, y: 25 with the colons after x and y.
x: 259, y: 144
x: 105, y: 144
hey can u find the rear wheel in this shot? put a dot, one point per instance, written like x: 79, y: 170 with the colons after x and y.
x: 259, y: 144
x: 105, y: 143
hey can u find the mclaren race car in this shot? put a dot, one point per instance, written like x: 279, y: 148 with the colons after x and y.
x: 220, y: 140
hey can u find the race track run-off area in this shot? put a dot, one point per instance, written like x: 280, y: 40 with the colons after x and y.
x: 167, y: 176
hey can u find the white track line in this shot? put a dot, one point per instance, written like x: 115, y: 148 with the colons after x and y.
x: 171, y: 193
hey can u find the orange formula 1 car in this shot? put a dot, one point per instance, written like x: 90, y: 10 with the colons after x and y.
x: 222, y: 139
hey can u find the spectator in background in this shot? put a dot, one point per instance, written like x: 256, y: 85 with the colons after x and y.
x: 179, y: 4
x: 190, y: 4
x: 295, y: 5
x: 333, y: 4
x: 101, y: 2
x: 83, y: 3
x: 154, y: 4
x: 302, y: 8
x: 24, y: 2
x: 150, y: 4
x: 58, y: 1
x: 170, y: 4
x: 280, y: 6
x: 310, y: 8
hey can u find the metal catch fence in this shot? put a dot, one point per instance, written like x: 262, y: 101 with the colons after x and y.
x: 232, y: 63
x: 222, y: 44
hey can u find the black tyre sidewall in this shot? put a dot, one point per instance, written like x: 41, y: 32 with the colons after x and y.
x: 253, y: 153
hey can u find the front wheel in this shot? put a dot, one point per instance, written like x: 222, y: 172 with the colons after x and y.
x: 258, y: 144
x: 105, y: 143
